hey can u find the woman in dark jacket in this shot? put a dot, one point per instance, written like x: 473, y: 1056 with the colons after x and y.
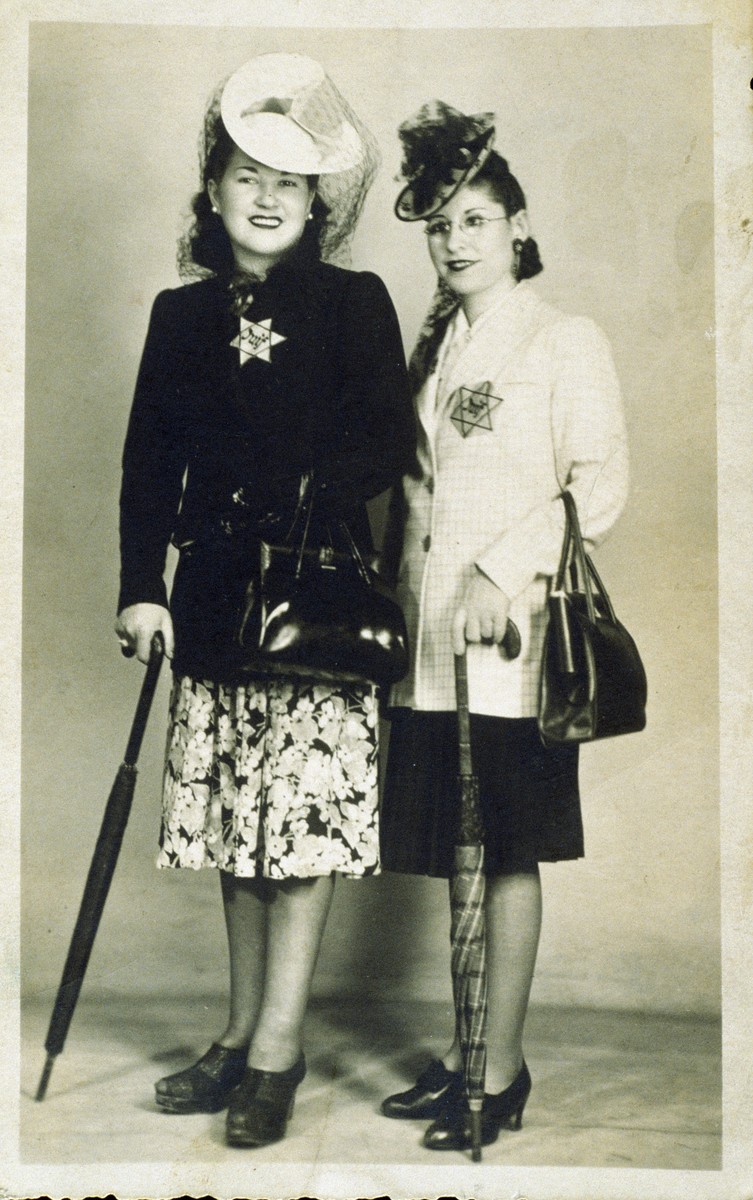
x: 273, y: 365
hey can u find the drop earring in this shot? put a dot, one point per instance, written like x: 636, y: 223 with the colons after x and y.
x: 517, y: 247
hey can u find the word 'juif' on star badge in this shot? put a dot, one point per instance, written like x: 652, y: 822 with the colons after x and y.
x: 473, y: 409
x: 256, y: 339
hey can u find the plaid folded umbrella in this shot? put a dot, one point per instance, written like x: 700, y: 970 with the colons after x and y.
x: 467, y: 931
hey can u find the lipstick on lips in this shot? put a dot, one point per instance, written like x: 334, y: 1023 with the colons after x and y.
x: 460, y: 264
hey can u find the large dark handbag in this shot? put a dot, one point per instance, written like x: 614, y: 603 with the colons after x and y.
x: 319, y: 612
x: 593, y: 684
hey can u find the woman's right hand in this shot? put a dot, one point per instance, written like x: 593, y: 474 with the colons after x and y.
x: 482, y: 616
x: 137, y: 624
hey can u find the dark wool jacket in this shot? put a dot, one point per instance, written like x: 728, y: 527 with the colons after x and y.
x: 330, y: 395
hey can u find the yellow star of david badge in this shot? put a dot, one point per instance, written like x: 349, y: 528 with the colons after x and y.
x: 256, y: 339
x: 473, y: 409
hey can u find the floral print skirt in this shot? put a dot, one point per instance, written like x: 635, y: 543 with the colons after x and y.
x: 274, y: 778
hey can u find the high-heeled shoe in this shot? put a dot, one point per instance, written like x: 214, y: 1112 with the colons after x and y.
x: 262, y: 1105
x: 206, y: 1086
x: 501, y: 1110
x: 434, y: 1088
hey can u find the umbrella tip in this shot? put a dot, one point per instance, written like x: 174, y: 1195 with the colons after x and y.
x: 476, y: 1134
x: 45, y: 1079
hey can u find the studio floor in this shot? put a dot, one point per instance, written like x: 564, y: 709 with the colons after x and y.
x: 610, y: 1089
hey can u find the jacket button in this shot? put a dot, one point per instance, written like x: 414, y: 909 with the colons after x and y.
x: 426, y: 542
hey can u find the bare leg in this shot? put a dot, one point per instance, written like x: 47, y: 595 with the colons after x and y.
x: 297, y: 913
x: 513, y: 924
x: 247, y: 903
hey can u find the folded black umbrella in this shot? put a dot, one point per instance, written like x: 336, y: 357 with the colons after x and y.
x: 101, y: 871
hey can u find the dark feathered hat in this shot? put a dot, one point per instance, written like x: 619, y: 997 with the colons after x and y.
x: 442, y: 150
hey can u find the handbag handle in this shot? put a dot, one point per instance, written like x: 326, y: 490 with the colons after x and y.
x: 306, y: 504
x: 583, y: 571
x: 355, y: 553
x: 581, y: 563
x: 304, y: 507
x: 305, y: 498
x: 572, y: 545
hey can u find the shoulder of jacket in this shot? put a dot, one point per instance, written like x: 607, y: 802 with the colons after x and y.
x: 367, y: 281
x: 567, y: 328
x: 345, y: 278
x: 343, y: 290
x: 187, y: 304
x: 188, y: 295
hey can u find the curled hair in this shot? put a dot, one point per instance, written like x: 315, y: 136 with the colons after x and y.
x: 502, y: 185
x: 205, y: 248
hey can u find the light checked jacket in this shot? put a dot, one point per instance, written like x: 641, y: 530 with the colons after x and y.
x: 522, y: 404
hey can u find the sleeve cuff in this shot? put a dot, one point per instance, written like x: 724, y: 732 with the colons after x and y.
x: 142, y: 592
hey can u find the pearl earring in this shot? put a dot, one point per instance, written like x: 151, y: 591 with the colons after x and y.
x: 309, y: 216
x: 215, y: 209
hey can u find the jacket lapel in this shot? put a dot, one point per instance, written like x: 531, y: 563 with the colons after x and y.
x: 504, y: 328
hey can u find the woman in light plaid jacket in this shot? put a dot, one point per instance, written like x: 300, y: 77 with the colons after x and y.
x: 515, y: 402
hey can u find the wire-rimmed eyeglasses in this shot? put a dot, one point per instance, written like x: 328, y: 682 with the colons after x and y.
x: 474, y: 225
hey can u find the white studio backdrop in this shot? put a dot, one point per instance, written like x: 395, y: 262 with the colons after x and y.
x: 610, y: 134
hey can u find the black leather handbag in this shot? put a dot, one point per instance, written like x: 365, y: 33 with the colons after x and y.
x: 318, y: 612
x: 593, y: 684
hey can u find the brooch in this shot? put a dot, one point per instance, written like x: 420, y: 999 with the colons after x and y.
x: 256, y: 339
x: 473, y: 409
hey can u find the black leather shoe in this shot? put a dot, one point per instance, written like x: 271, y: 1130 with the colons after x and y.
x: 501, y: 1110
x: 434, y: 1088
x: 206, y: 1086
x: 262, y: 1105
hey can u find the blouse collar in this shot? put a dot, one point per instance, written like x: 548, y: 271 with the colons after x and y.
x: 506, y: 298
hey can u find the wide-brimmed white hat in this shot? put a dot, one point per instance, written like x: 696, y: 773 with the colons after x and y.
x: 281, y: 109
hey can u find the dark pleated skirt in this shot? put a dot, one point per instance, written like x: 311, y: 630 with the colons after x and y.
x: 529, y: 794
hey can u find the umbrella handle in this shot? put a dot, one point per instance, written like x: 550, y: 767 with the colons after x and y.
x: 464, y: 721
x: 511, y: 643
x: 130, y: 651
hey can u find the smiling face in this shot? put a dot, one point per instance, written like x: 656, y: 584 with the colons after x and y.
x: 471, y: 245
x: 263, y: 210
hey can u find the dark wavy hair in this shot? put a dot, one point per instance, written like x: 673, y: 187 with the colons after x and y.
x: 499, y: 180
x: 206, y: 248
